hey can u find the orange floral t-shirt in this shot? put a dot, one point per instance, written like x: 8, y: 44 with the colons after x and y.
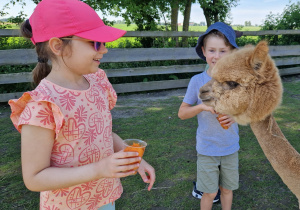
x: 83, y: 125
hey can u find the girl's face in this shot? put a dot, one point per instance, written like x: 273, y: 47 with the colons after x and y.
x: 215, y: 49
x: 83, y: 58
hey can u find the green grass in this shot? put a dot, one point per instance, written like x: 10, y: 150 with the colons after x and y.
x: 171, y: 151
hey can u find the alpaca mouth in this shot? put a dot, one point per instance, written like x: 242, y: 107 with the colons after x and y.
x: 205, y: 100
x: 205, y: 97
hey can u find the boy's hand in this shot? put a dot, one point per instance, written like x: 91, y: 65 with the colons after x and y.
x: 226, y: 120
x: 207, y: 108
x: 146, y: 168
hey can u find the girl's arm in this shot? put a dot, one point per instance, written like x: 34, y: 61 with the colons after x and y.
x: 118, y: 142
x: 187, y: 111
x: 38, y: 175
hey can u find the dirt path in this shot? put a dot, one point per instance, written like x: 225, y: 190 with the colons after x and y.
x: 130, y: 105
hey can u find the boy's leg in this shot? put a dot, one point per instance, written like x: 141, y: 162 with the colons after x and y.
x: 198, y: 194
x: 207, y: 179
x: 229, y: 179
x: 226, y: 197
x: 207, y: 201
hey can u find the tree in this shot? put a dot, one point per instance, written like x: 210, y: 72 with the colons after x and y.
x: 174, y: 18
x: 186, y: 20
x: 216, y: 10
x: 247, y: 23
x: 174, y: 15
x: 145, y: 14
x: 19, y: 18
x: 288, y: 20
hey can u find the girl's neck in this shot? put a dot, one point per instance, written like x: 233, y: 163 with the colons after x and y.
x: 68, y: 80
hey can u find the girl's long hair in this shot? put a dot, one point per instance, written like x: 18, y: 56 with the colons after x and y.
x: 42, y: 69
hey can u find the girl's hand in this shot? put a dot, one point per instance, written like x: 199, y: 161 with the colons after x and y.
x: 117, y: 165
x: 150, y: 178
x: 227, y: 120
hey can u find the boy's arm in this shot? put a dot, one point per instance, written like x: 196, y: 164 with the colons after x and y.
x: 187, y: 111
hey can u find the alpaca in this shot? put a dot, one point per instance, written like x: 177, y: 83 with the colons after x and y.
x: 246, y: 85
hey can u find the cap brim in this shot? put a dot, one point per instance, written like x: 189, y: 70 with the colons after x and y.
x: 102, y: 34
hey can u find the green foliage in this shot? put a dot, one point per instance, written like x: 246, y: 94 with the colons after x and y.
x: 7, y: 69
x: 7, y: 42
x: 15, y: 43
x: 174, y: 77
x: 288, y: 20
x: 244, y: 40
x: 217, y: 10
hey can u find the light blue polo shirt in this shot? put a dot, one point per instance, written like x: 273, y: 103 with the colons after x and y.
x: 212, y: 139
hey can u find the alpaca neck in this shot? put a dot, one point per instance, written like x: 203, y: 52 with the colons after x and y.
x: 283, y: 157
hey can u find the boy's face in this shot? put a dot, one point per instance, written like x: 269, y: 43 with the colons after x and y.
x: 215, y: 49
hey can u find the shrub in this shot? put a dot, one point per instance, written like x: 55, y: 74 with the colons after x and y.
x: 288, y: 20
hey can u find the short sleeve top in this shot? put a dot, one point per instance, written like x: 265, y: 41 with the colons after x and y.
x: 212, y: 139
x: 82, y: 123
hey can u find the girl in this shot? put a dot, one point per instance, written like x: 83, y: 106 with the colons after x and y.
x: 69, y: 152
x: 217, y: 148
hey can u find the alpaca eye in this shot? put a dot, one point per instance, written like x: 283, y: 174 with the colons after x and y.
x: 232, y: 84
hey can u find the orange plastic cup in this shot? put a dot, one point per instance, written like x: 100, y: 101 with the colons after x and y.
x: 135, y: 145
x: 223, y: 126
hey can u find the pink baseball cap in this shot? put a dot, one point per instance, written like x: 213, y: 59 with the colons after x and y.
x: 61, y: 18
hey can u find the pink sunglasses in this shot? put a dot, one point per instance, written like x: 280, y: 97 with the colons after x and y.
x: 97, y: 45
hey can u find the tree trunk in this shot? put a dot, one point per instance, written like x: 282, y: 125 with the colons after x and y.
x: 207, y: 18
x: 186, y: 21
x: 174, y: 19
x: 206, y: 7
x: 216, y: 12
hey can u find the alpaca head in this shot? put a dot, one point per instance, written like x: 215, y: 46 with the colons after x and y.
x: 246, y: 85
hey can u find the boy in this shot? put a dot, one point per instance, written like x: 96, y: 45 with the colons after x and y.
x: 217, y: 148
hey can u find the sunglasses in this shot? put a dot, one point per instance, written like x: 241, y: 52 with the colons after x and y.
x: 97, y: 45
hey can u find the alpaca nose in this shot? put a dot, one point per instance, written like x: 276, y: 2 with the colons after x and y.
x: 204, y: 93
x: 203, y: 90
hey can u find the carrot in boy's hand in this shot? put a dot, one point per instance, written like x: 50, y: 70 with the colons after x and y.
x: 223, y: 126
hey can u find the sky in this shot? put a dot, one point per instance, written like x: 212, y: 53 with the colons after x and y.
x: 254, y: 11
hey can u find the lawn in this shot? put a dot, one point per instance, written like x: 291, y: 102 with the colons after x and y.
x: 171, y: 151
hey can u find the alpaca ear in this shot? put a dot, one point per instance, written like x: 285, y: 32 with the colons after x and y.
x: 259, y: 55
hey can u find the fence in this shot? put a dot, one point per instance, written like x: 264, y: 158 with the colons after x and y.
x: 284, y: 57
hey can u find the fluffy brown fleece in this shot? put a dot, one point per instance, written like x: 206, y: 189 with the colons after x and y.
x: 246, y: 85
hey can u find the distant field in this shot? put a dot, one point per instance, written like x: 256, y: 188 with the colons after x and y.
x: 131, y: 41
x: 133, y: 27
x: 128, y: 42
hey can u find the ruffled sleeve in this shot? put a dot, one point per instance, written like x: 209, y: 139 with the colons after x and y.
x: 33, y: 109
x: 111, y: 93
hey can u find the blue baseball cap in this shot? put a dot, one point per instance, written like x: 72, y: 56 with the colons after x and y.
x: 225, y: 29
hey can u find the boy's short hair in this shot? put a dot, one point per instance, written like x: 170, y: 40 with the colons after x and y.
x: 225, y: 29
